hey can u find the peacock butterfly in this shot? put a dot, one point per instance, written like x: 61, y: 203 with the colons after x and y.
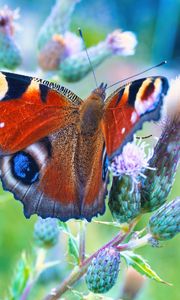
x: 54, y: 146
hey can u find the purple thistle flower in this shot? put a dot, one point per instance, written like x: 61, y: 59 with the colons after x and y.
x: 73, y: 43
x: 132, y: 161
x: 59, y: 48
x: 8, y: 18
x: 127, y: 169
x: 121, y: 43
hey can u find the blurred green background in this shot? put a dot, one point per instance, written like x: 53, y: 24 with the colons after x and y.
x: 157, y: 26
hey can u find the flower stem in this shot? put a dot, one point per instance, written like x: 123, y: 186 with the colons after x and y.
x: 134, y: 244
x: 40, y: 259
x: 82, y: 241
x: 27, y: 290
x: 79, y: 271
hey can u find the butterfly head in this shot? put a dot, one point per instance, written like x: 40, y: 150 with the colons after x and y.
x: 101, y: 91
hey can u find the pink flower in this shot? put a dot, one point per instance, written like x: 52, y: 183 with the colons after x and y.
x: 122, y: 43
x: 132, y: 161
x: 73, y: 43
x: 7, y: 20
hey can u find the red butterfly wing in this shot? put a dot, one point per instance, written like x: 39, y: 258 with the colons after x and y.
x: 50, y: 166
x: 30, y: 110
x: 128, y: 107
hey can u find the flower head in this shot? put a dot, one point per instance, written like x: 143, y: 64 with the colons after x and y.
x: 46, y: 232
x: 132, y: 161
x: 73, y: 43
x: 164, y: 224
x: 59, y: 48
x: 7, y: 18
x: 103, y: 270
x: 122, y: 43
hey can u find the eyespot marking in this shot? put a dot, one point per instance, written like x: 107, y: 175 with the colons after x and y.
x: 24, y: 168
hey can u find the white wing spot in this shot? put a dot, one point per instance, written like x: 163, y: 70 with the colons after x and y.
x: 134, y: 117
x: 2, y: 124
x: 123, y: 130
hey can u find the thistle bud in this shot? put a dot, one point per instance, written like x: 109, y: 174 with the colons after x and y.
x: 57, y: 22
x: 77, y: 66
x: 127, y: 170
x: 103, y: 271
x: 57, y: 49
x: 10, y: 56
x: 124, y: 199
x: 158, y: 183
x: 46, y: 232
x: 164, y: 224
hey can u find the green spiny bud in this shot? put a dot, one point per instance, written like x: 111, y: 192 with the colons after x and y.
x: 77, y: 66
x: 57, y: 22
x: 46, y: 232
x: 10, y: 56
x: 164, y: 224
x: 124, y: 199
x: 103, y: 271
x: 158, y: 182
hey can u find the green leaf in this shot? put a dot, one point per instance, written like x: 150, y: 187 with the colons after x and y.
x: 73, y: 248
x: 64, y: 227
x: 72, y: 243
x: 22, y: 275
x: 141, y: 265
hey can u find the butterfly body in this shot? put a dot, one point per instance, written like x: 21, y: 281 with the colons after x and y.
x: 54, y: 146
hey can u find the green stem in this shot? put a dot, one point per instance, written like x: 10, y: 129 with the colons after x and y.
x: 134, y: 244
x: 82, y: 241
x: 41, y: 255
x: 27, y: 290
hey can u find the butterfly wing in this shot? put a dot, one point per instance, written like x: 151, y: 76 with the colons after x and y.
x: 59, y: 176
x: 43, y: 181
x: 32, y: 112
x: 44, y: 160
x: 128, y: 108
x: 31, y: 109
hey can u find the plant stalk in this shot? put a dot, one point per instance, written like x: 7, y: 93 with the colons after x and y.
x: 134, y: 244
x: 82, y: 241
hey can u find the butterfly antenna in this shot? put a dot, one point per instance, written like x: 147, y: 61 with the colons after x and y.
x: 85, y: 48
x: 147, y: 70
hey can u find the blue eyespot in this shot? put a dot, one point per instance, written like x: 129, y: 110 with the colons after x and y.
x: 25, y: 168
